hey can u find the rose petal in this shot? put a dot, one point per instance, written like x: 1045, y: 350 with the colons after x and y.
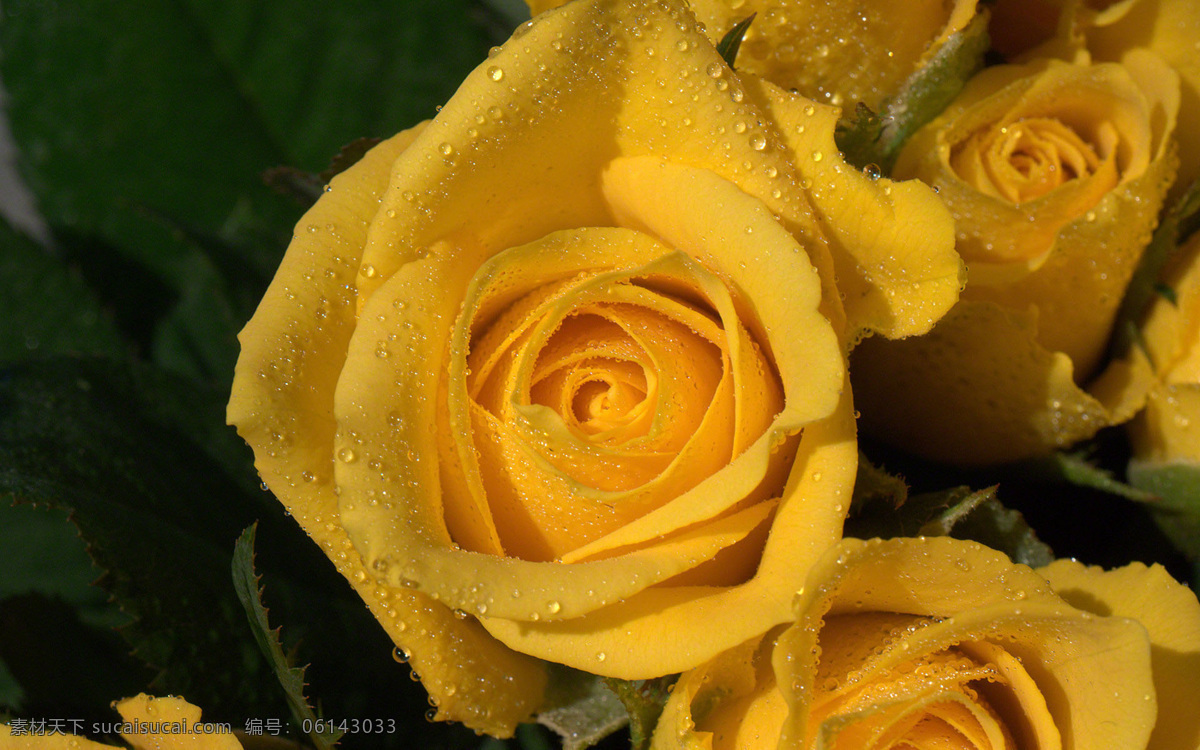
x: 837, y: 52
x: 169, y: 710
x: 1171, y: 615
x: 1170, y: 29
x: 981, y: 373
x: 806, y: 522
x: 282, y: 403
x: 893, y: 242
x: 1066, y: 652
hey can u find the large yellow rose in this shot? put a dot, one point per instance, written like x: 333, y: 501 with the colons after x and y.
x: 940, y: 643
x: 1055, y: 174
x: 560, y: 374
x: 834, y: 52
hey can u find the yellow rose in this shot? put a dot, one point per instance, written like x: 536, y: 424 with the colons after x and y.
x: 1107, y: 31
x: 1166, y: 434
x: 157, y: 724
x: 1055, y: 174
x: 840, y: 53
x: 559, y: 374
x: 943, y: 643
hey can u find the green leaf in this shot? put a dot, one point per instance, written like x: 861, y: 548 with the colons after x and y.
x: 1075, y: 468
x: 1146, y: 280
x: 134, y: 120
x: 44, y: 554
x: 46, y: 305
x: 1176, y: 487
x: 291, y: 679
x: 583, y: 710
x: 960, y: 512
x: 133, y: 453
x: 877, y: 139
x: 729, y: 45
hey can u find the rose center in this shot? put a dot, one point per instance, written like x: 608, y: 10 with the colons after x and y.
x: 1024, y: 160
x: 605, y: 403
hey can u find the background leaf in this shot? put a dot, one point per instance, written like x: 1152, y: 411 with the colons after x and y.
x: 291, y: 678
x: 47, y: 306
x: 145, y: 129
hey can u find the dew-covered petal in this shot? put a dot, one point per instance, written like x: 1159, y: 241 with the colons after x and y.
x: 282, y: 404
x: 1171, y: 615
x: 836, y: 53
x: 965, y: 593
x: 166, y: 712
x: 892, y: 242
x: 806, y: 522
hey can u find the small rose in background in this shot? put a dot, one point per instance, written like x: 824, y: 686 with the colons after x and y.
x: 936, y: 642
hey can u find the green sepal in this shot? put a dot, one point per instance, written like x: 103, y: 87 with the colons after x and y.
x: 305, y: 187
x: 248, y: 586
x: 872, y: 484
x: 959, y: 512
x: 644, y: 701
x: 581, y: 708
x: 869, y: 138
x: 1077, y: 468
x: 1176, y: 488
x: 1146, y: 282
x: 729, y: 45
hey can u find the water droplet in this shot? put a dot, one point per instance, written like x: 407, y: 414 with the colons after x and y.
x: 817, y: 156
x: 553, y: 607
x: 715, y: 70
x: 347, y: 455
x: 401, y: 655
x: 601, y: 656
x: 446, y: 149
x: 496, y: 73
x: 431, y: 715
x: 758, y: 142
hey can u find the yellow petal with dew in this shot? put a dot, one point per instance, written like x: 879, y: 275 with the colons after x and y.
x: 176, y: 713
x: 892, y: 242
x: 836, y: 53
x: 1171, y: 615
x: 971, y: 593
x: 806, y: 521
x: 283, y: 406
